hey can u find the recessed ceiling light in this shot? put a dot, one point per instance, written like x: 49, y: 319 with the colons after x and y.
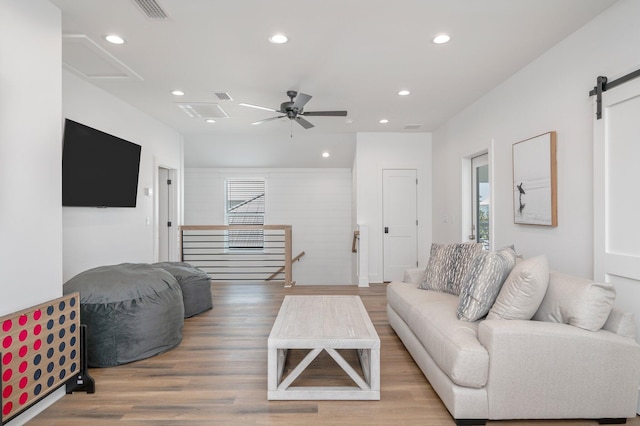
x: 114, y: 38
x: 210, y: 120
x: 441, y: 38
x: 326, y: 155
x: 384, y: 121
x: 177, y: 93
x: 403, y: 92
x: 278, y: 39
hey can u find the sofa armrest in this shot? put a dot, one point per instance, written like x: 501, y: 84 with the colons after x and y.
x: 550, y: 370
x: 413, y: 276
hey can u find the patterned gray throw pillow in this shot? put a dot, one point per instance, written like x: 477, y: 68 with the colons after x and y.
x: 448, y: 265
x: 483, y: 282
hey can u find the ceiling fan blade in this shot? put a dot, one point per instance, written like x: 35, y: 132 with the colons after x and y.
x: 267, y: 119
x: 259, y: 107
x: 304, y: 123
x: 301, y: 101
x: 325, y: 113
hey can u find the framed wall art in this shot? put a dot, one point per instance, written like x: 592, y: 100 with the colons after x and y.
x: 535, y: 181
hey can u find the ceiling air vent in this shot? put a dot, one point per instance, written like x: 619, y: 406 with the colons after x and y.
x: 151, y: 9
x: 223, y: 96
x: 412, y: 126
x: 202, y: 110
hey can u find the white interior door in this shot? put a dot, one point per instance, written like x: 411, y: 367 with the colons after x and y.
x: 616, y: 178
x: 400, y: 221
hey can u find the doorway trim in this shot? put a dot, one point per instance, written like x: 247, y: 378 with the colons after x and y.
x: 174, y: 206
x: 467, y: 194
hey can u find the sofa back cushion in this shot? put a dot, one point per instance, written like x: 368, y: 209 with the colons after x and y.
x: 483, y: 281
x: 622, y: 323
x: 577, y: 301
x: 448, y: 265
x: 523, y: 291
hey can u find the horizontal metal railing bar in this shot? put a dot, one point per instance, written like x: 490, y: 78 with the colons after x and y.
x: 201, y: 250
x: 243, y: 264
x: 257, y: 280
x: 254, y: 275
x: 240, y: 268
x: 208, y: 256
x: 222, y: 238
x: 199, y: 244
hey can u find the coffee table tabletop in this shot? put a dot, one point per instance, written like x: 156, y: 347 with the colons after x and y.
x: 323, y: 323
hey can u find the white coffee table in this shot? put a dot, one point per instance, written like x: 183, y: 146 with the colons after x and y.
x: 323, y: 323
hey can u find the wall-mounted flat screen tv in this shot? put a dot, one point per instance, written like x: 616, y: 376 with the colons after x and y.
x: 98, y: 169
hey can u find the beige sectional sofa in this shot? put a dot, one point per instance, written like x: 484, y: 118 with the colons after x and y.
x: 576, y: 358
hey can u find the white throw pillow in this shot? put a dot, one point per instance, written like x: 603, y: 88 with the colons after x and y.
x: 577, y: 301
x: 523, y: 290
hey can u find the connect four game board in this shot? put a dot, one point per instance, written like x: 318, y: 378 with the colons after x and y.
x: 39, y: 352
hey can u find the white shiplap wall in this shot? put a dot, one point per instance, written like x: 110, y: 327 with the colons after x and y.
x: 316, y: 202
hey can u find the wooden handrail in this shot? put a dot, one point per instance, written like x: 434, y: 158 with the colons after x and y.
x: 354, y: 245
x: 279, y: 271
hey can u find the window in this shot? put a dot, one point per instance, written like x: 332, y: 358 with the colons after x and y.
x: 245, y: 206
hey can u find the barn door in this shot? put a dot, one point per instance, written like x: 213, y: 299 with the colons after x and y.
x: 616, y: 201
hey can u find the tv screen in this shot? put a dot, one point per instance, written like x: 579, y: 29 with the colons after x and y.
x: 98, y: 169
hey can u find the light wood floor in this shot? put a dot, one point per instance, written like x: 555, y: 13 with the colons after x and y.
x: 218, y: 375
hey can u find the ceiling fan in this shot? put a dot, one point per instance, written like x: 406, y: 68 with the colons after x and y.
x: 294, y: 109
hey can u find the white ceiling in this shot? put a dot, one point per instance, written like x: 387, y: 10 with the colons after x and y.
x: 348, y: 54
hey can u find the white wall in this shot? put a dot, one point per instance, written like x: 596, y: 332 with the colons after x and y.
x: 549, y: 94
x: 374, y: 153
x: 103, y: 236
x: 30, y: 155
x: 316, y: 202
x: 30, y: 160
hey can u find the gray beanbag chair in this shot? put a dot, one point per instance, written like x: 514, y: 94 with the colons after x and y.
x: 132, y: 312
x: 195, y: 285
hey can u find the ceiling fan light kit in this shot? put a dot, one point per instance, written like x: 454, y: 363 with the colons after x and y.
x: 293, y: 109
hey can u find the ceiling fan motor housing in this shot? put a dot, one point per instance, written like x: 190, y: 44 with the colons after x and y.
x: 287, y: 108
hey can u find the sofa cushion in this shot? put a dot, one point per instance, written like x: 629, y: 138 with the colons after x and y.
x: 483, y: 281
x: 576, y: 301
x: 403, y: 296
x: 448, y: 265
x: 523, y: 291
x: 451, y: 343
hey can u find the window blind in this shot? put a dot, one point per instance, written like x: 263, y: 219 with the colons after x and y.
x: 245, y: 200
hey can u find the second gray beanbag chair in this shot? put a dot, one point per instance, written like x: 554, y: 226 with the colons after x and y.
x: 195, y: 285
x: 132, y: 312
